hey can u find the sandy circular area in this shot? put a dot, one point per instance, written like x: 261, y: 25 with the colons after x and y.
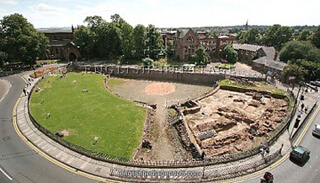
x: 160, y: 89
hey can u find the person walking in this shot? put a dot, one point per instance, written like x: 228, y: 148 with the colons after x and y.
x: 24, y: 91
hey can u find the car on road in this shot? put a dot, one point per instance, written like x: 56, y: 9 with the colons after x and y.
x: 316, y: 131
x: 300, y: 154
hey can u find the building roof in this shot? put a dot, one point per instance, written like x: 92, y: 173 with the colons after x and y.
x: 54, y: 31
x: 277, y: 65
x: 248, y: 47
x: 270, y: 52
x: 182, y: 33
x: 58, y: 43
x: 221, y: 37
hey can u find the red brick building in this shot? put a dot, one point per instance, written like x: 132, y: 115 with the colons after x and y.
x: 61, y: 45
x: 186, y: 42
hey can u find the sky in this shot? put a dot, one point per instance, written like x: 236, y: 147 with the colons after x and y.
x: 166, y: 13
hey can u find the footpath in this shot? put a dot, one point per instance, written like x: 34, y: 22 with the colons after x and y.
x: 104, y: 171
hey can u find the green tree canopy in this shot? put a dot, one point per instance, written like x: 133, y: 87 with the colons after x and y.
x: 294, y: 50
x: 294, y: 70
x: 154, y: 42
x: 85, y: 38
x: 251, y: 36
x: 139, y: 41
x: 312, y: 68
x: 200, y: 57
x: 276, y: 36
x: 230, y: 54
x: 315, y: 38
x: 20, y: 41
x: 304, y: 35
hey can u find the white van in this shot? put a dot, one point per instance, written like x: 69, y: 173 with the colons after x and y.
x: 316, y: 130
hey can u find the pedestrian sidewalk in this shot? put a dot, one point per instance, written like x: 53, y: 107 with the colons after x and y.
x: 104, y: 170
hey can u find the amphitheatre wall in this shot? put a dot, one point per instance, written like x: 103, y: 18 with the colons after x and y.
x: 169, y: 74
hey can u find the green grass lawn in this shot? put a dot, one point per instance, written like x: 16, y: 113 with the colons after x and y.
x: 117, y: 123
x: 226, y: 66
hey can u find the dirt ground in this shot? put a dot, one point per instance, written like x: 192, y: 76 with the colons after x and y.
x: 241, y: 120
x: 165, y: 143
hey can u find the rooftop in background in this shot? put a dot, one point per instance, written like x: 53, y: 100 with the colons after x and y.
x: 249, y: 47
x: 55, y: 30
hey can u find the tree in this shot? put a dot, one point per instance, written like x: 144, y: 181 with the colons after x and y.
x: 154, y: 42
x: 126, y: 31
x: 94, y: 22
x: 147, y: 62
x: 276, y: 36
x: 241, y: 37
x: 43, y: 44
x: 252, y: 36
x: 304, y: 35
x: 294, y: 70
x: 315, y: 38
x: 85, y: 39
x: 139, y: 41
x: 294, y: 50
x: 20, y: 41
x: 312, y: 68
x: 200, y: 57
x: 3, y: 58
x: 109, y: 41
x: 230, y: 54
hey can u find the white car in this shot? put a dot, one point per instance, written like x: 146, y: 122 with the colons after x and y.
x: 316, y: 130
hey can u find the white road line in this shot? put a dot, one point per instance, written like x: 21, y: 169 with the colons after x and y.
x: 5, y: 174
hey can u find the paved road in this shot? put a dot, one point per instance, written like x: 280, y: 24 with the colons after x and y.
x: 19, y: 162
x: 290, y: 172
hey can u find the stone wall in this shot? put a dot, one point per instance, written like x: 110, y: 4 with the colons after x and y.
x: 163, y: 75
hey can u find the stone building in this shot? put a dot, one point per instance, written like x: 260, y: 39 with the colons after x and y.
x: 222, y: 42
x: 209, y: 42
x: 61, y: 45
x: 262, y: 58
x: 186, y: 42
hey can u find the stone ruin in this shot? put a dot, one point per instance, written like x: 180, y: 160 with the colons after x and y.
x: 231, y: 122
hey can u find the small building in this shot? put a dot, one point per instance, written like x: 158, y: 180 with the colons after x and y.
x: 247, y: 52
x: 262, y: 58
x: 61, y: 45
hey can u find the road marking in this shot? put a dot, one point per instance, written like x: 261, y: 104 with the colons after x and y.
x: 306, y: 128
x: 284, y: 158
x: 4, y: 173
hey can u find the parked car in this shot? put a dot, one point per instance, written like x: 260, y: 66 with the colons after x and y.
x: 300, y: 153
x: 316, y: 130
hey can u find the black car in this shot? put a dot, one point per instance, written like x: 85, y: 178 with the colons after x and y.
x: 300, y: 154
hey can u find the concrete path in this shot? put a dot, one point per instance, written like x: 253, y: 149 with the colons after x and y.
x: 102, y: 171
